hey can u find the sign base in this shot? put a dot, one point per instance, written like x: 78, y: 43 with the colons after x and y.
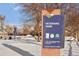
x: 50, y: 52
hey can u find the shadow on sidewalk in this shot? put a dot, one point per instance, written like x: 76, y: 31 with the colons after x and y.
x: 18, y: 50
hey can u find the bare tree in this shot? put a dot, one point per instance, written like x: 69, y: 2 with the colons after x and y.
x: 9, y: 29
x: 72, y: 20
x: 36, y: 11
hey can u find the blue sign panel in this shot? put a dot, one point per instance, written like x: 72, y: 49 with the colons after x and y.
x: 53, y: 31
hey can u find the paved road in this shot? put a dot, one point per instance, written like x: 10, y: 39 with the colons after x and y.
x: 70, y: 49
x: 19, y: 48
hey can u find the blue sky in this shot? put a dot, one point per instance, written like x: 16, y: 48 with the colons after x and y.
x: 11, y: 13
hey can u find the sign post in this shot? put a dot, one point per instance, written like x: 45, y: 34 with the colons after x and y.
x: 53, y: 32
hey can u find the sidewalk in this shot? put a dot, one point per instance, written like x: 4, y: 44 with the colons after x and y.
x: 17, y: 48
x: 4, y: 51
x: 70, y: 50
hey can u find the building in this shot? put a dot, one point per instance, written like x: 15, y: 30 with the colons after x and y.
x: 3, y: 33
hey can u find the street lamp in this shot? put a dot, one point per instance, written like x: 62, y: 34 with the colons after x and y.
x: 15, y: 32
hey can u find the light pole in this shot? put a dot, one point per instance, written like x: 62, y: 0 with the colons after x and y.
x: 15, y: 32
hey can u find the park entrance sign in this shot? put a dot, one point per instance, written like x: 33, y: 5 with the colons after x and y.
x: 53, y: 30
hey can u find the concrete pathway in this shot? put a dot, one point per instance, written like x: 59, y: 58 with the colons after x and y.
x: 19, y: 48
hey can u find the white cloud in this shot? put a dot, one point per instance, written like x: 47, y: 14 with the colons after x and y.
x: 16, y: 8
